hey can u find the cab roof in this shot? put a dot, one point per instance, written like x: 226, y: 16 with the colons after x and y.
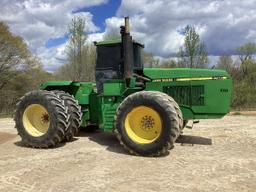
x: 113, y: 42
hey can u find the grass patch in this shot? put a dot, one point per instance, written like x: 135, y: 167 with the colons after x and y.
x: 10, y: 115
x: 237, y: 113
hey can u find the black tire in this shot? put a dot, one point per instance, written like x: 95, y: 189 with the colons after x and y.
x: 177, y: 109
x: 166, y: 107
x: 58, y: 119
x: 74, y: 112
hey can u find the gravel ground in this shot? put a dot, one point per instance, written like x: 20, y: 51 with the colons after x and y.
x: 216, y: 155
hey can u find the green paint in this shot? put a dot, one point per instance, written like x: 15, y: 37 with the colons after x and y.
x: 200, y: 93
x: 197, y: 98
x: 156, y: 73
x: 113, y: 88
x: 55, y: 84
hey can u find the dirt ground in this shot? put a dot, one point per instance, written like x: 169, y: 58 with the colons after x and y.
x: 216, y: 155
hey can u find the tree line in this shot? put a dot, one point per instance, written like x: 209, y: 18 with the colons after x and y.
x: 21, y: 71
x: 243, y: 73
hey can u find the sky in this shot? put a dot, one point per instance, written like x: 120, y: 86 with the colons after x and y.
x: 223, y: 25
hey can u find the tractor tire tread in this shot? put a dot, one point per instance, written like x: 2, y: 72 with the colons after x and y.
x: 58, y: 132
x: 171, y: 108
x: 75, y: 114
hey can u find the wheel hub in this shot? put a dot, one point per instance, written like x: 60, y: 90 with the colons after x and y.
x: 45, y: 118
x: 143, y: 125
x: 36, y: 120
x: 147, y: 123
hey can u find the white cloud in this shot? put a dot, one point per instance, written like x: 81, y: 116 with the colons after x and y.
x: 95, y: 37
x: 223, y: 24
x: 37, y: 21
x: 53, y: 57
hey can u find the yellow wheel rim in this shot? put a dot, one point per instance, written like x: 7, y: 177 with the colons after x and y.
x: 143, y: 125
x: 36, y: 120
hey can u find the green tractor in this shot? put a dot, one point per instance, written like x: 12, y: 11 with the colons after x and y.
x: 146, y: 108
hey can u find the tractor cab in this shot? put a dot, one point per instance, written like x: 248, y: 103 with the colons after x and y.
x: 118, y: 59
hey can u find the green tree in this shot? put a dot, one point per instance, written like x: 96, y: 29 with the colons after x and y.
x: 20, y: 71
x: 80, y: 54
x: 149, y: 60
x: 245, y: 54
x: 226, y: 63
x: 14, y: 54
x: 246, y: 51
x: 75, y: 47
x: 244, y: 77
x: 22, y: 81
x: 170, y: 63
x: 193, y: 54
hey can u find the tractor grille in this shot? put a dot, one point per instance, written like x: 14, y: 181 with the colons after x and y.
x: 187, y: 95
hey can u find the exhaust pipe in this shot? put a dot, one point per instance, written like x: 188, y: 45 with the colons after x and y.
x: 127, y: 25
x: 127, y: 51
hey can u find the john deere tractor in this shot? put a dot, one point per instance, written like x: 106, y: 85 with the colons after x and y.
x: 147, y: 108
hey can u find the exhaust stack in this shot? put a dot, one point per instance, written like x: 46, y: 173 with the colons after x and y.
x: 127, y: 51
x: 127, y: 25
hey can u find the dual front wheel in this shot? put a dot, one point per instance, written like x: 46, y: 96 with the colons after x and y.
x: 44, y: 119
